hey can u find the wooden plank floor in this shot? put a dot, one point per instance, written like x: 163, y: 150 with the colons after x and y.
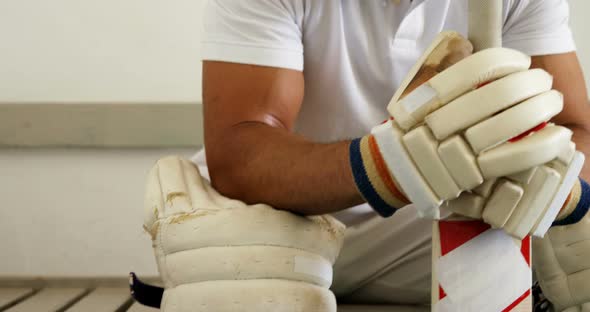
x: 11, y: 296
x: 49, y: 299
x: 103, y: 299
x: 109, y: 299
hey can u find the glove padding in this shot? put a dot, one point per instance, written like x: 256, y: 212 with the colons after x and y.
x: 560, y: 259
x: 481, y: 119
x: 218, y: 254
x: 524, y: 203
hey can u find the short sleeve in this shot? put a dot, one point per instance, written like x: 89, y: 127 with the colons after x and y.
x: 538, y: 27
x: 257, y: 32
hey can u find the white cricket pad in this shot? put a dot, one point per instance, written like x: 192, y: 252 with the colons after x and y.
x: 248, y: 263
x: 247, y: 296
x: 218, y: 254
x: 250, y: 226
x: 175, y: 187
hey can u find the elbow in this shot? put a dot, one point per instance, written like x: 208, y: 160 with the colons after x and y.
x: 227, y: 178
x: 223, y: 179
x: 231, y: 160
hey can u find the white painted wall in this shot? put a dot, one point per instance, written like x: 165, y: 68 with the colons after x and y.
x: 75, y: 212
x: 100, y: 51
x: 70, y: 212
x: 114, y: 51
x: 580, y: 24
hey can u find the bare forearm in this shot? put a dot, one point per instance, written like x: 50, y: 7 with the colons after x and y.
x: 283, y: 170
x: 569, y: 80
x: 582, y: 140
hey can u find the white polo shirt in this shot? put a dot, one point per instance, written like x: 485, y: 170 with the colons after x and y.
x: 355, y: 53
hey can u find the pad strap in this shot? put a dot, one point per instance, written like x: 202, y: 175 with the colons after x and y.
x: 580, y: 199
x: 373, y: 178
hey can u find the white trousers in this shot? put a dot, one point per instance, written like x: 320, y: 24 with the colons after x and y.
x: 386, y: 261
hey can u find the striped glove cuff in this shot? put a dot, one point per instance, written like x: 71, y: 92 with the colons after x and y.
x: 373, y: 178
x: 576, y: 206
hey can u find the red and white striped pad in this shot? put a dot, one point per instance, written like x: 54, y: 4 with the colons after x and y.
x: 496, y: 267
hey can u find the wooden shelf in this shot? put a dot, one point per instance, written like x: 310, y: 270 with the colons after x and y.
x: 103, y: 125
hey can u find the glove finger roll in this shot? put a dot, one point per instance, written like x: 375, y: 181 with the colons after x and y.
x: 486, y: 101
x: 534, y: 150
x: 481, y: 67
x: 514, y: 121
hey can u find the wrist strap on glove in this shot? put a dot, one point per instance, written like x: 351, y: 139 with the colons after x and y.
x: 145, y: 294
x: 578, y: 203
x: 373, y: 179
